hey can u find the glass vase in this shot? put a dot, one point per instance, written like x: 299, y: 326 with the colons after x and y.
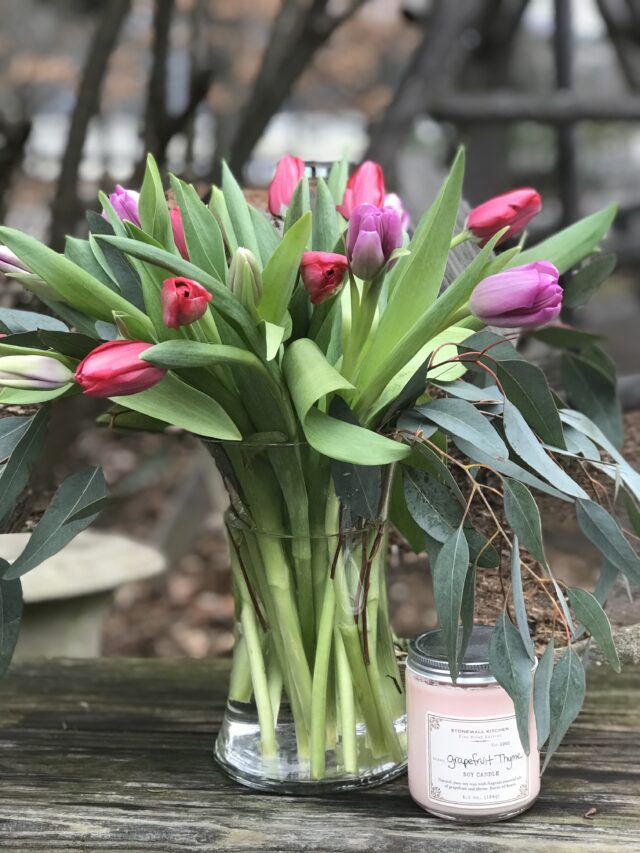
x: 316, y: 700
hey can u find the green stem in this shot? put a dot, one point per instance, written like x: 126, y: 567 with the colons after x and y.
x: 320, y: 679
x: 347, y: 707
x: 460, y: 238
x: 240, y: 687
x: 259, y: 679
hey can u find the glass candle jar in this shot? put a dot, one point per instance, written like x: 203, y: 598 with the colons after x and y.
x: 466, y: 762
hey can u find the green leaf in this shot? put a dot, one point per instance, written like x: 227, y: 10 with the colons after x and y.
x: 522, y: 514
x: 218, y: 207
x: 359, y: 488
x: 76, y: 287
x: 572, y: 244
x: 511, y: 667
x: 201, y: 231
x: 267, y: 235
x: 310, y: 378
x: 526, y: 445
x: 273, y: 336
x: 14, y: 321
x: 10, y: 616
x: 81, y: 254
x: 56, y: 527
x: 566, y: 337
x: 594, y: 394
x: 449, y: 573
x: 462, y: 419
x: 541, y: 693
x: 431, y: 504
x: 113, y: 261
x: 11, y: 431
x: 299, y: 205
x: 527, y: 388
x: 173, y: 355
x: 326, y: 227
x: 604, y: 532
x: 337, y: 181
x: 238, y: 209
x: 400, y: 516
x: 467, y: 610
x: 152, y: 208
x: 15, y: 473
x: 18, y: 397
x: 589, y: 612
x: 567, y: 691
x: 518, y: 600
x: 71, y: 344
x: 177, y: 403
x: 580, y: 287
x: 281, y: 273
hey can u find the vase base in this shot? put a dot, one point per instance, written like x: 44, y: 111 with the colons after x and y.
x: 238, y: 752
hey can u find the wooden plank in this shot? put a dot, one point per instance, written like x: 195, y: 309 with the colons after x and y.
x: 117, y: 755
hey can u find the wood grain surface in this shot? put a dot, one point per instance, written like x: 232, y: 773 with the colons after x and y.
x: 116, y: 754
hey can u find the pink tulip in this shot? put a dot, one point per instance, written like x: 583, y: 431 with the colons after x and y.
x: 528, y: 295
x: 125, y: 204
x: 183, y: 301
x: 10, y: 262
x: 289, y: 172
x: 114, y: 369
x: 372, y: 236
x: 393, y: 200
x: 322, y: 274
x: 515, y: 209
x: 178, y: 232
x: 366, y: 185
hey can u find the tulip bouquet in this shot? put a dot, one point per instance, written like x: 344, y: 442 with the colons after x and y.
x: 341, y: 378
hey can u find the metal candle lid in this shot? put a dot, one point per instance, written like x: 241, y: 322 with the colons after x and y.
x: 428, y: 657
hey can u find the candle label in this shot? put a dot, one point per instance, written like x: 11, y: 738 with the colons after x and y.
x: 475, y: 763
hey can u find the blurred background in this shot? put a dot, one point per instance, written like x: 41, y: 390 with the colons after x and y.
x: 543, y: 93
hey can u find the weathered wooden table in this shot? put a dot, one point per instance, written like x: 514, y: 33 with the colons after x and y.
x: 117, y: 755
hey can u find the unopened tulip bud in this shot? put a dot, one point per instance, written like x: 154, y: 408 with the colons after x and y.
x: 372, y: 236
x: 322, y: 274
x: 365, y: 186
x: 115, y: 369
x: 514, y: 210
x: 393, y: 200
x: 125, y: 204
x: 245, y: 279
x: 178, y: 232
x: 10, y: 262
x: 527, y: 295
x: 183, y: 302
x: 33, y: 373
x: 289, y: 173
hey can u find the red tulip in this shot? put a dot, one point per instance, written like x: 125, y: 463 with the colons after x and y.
x: 365, y: 186
x: 515, y: 209
x: 183, y: 301
x: 178, y: 232
x: 289, y: 171
x: 114, y: 369
x: 322, y: 274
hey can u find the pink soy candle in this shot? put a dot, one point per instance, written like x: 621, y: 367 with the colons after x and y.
x: 466, y: 762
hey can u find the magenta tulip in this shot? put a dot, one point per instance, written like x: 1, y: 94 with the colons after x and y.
x: 372, y: 236
x: 522, y: 296
x: 365, y: 186
x: 114, y: 369
x: 125, y: 204
x: 183, y: 301
x: 514, y: 209
x: 322, y: 274
x: 289, y: 172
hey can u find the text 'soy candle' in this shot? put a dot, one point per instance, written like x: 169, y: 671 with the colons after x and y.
x: 466, y: 761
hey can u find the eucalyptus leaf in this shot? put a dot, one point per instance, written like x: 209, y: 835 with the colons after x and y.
x: 510, y: 665
x: 589, y: 391
x: 467, y: 610
x: 541, y: 693
x: 523, y: 516
x: 11, y: 431
x: 566, y: 691
x: 14, y: 320
x: 580, y: 287
x: 15, y: 474
x: 462, y: 419
x: 400, y: 516
x: 57, y: 528
x: 589, y: 612
x: 11, y: 605
x: 449, y: 573
x: 518, y: 599
x: 605, y: 533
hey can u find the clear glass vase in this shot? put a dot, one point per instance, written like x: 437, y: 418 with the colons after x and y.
x: 316, y: 700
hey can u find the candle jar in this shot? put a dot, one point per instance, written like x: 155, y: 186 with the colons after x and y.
x: 466, y: 762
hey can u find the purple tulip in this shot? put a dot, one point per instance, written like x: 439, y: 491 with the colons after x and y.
x: 393, y: 200
x: 521, y: 296
x: 372, y: 236
x: 125, y: 204
x: 11, y: 263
